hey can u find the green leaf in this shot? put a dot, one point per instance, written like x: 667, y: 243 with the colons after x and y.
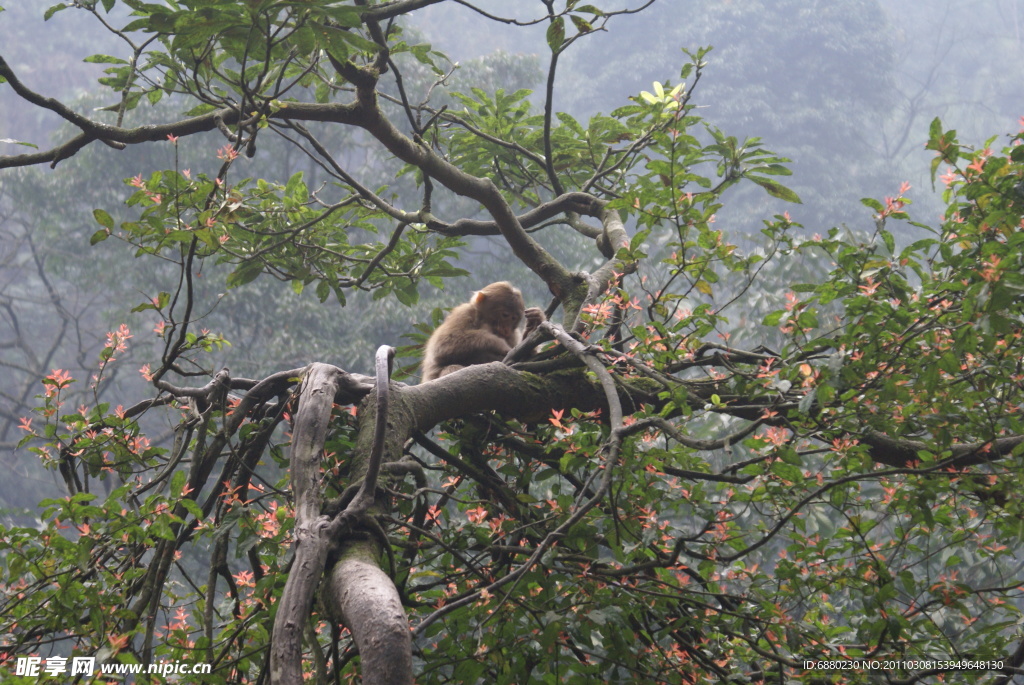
x: 408, y: 294
x: 178, y: 483
x: 582, y: 25
x: 638, y: 239
x: 104, y: 59
x: 99, y: 236
x: 873, y: 204
x: 774, y: 170
x: 890, y: 242
x: 556, y: 34
x: 776, y: 189
x: 192, y: 508
x: 787, y: 472
x: 16, y: 142
x: 295, y: 187
x: 323, y: 291
x: 245, y: 273
x: 54, y: 9
x: 103, y: 219
x: 350, y: 17
x: 936, y: 161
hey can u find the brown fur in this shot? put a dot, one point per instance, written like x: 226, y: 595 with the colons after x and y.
x: 482, y: 330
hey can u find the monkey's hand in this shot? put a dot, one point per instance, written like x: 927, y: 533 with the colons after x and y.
x: 534, y: 317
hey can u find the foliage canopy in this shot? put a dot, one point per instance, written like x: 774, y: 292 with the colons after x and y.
x: 699, y: 478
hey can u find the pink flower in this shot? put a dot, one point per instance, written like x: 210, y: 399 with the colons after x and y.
x: 118, y: 340
x: 245, y: 579
x: 991, y: 271
x: 870, y: 287
x: 979, y: 160
x: 227, y: 153
x: 776, y: 435
x: 478, y: 515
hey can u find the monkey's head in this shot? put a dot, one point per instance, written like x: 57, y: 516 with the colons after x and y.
x: 500, y: 307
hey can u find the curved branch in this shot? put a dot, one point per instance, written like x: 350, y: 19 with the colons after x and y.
x: 580, y: 203
x: 367, y: 492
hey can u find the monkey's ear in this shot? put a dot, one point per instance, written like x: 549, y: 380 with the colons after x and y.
x: 478, y: 297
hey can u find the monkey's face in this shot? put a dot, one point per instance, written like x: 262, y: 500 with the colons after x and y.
x: 500, y: 307
x: 505, y: 322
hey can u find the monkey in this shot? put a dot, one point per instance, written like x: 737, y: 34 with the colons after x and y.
x: 482, y: 330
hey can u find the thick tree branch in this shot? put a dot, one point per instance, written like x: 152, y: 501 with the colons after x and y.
x: 901, y: 452
x: 316, y: 400
x: 365, y: 599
